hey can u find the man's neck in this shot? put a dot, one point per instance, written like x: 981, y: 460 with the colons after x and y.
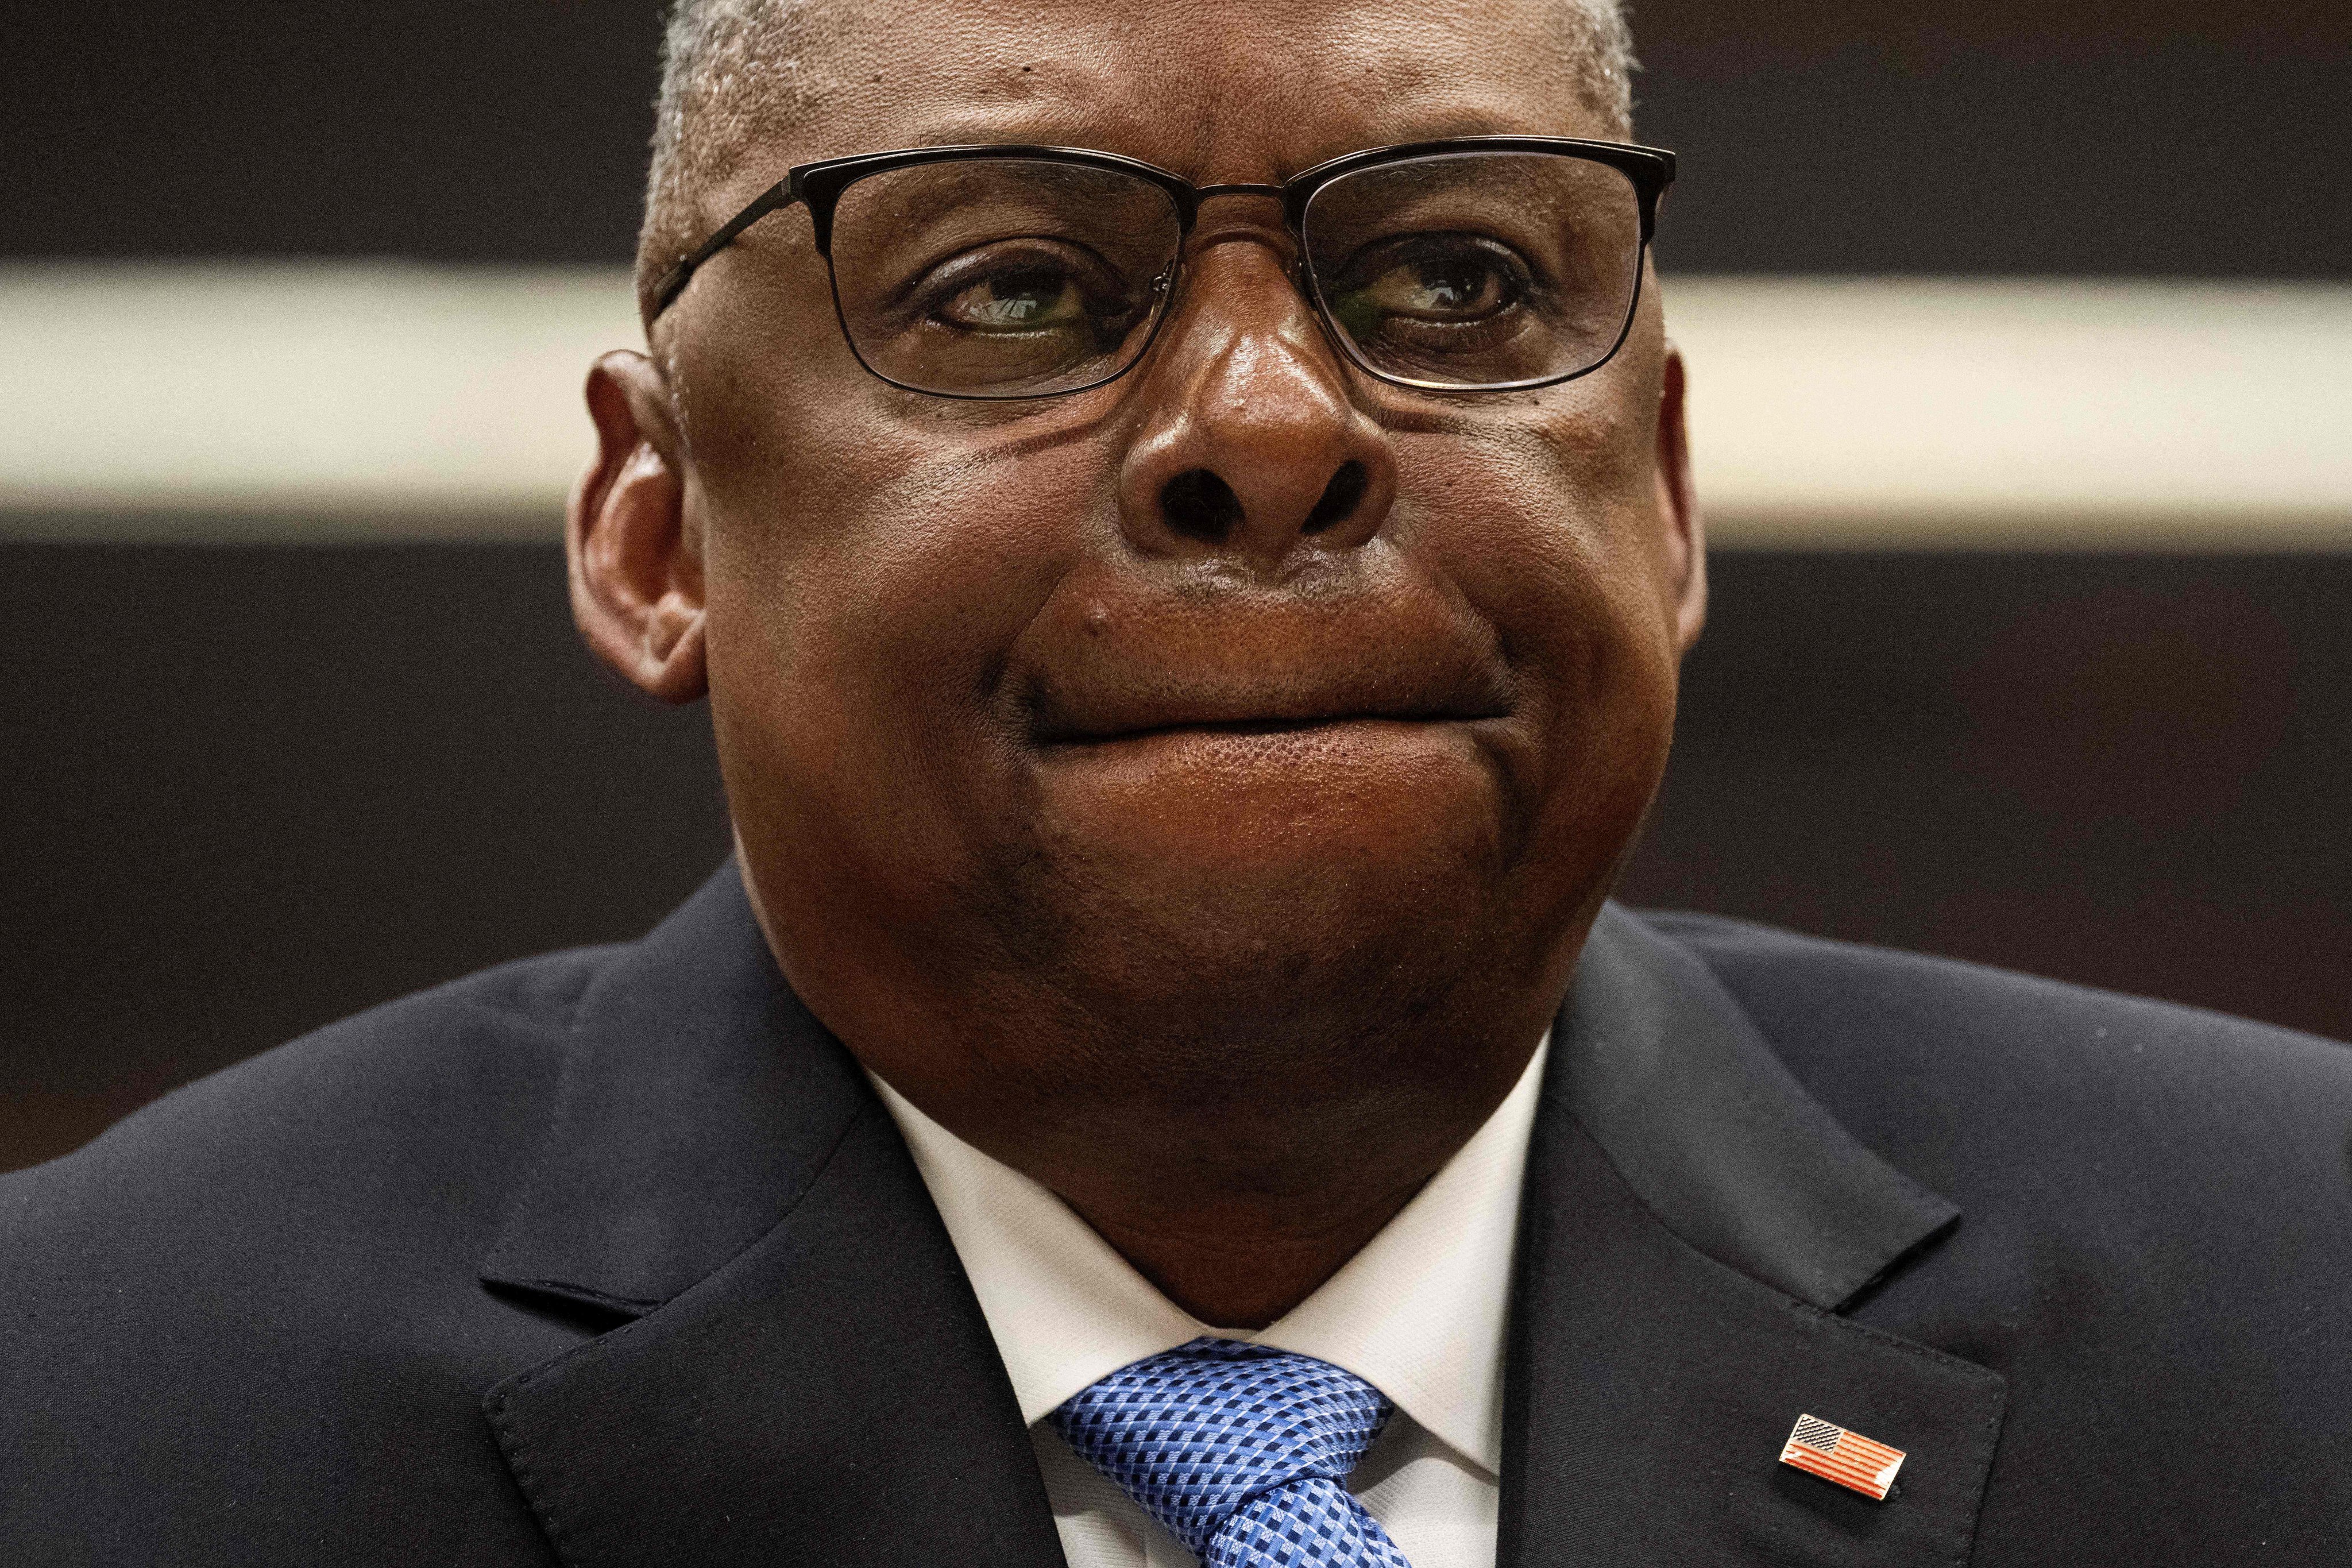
x: 1245, y: 1277
x: 1238, y: 1243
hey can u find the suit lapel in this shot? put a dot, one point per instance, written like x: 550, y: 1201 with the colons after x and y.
x: 1691, y: 1224
x: 802, y: 1373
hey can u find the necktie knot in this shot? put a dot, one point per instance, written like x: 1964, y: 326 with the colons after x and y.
x: 1241, y: 1451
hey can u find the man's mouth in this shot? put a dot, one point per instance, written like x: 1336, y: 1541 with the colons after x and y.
x: 1116, y: 662
x: 1104, y: 730
x: 1133, y: 695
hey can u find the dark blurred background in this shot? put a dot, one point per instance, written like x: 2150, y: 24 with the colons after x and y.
x: 2173, y: 138
x: 247, y: 787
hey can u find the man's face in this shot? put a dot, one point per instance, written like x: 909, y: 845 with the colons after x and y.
x: 1010, y: 730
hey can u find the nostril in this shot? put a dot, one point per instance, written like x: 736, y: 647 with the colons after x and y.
x: 1199, y: 505
x: 1340, y: 497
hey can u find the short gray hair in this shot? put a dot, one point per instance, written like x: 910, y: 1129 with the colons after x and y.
x: 738, y: 62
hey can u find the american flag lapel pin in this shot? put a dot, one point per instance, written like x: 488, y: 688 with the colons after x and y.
x: 1828, y: 1450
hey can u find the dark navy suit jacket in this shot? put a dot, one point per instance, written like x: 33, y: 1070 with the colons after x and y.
x: 611, y: 1257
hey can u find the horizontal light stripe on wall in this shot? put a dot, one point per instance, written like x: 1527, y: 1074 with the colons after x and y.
x: 339, y: 401
x: 1880, y: 412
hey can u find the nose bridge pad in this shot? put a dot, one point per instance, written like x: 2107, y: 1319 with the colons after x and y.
x: 1179, y: 281
x: 1302, y: 278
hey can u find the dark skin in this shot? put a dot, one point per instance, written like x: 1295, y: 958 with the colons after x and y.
x: 1223, y: 883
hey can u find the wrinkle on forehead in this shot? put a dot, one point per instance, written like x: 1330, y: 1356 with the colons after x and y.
x: 1224, y: 90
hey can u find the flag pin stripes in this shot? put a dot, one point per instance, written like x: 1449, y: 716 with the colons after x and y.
x: 1825, y: 1449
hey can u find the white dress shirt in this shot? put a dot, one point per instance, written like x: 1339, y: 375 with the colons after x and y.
x: 1418, y: 1313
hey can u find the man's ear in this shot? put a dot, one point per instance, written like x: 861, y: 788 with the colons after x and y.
x: 635, y: 567
x: 1679, y: 504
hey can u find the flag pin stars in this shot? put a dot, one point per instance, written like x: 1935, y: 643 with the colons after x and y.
x: 1828, y: 1450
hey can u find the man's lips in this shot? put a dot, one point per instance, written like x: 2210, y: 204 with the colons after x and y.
x: 1146, y: 688
x: 1116, y: 656
x: 1241, y: 719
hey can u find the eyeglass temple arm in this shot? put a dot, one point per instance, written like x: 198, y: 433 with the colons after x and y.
x: 783, y: 194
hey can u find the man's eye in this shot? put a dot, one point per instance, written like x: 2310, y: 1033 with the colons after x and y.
x: 1025, y: 299
x: 1432, y: 284
x: 1440, y: 289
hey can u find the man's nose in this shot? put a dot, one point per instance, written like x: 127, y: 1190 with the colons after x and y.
x: 1250, y: 448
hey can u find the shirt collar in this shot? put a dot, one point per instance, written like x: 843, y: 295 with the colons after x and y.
x: 1418, y: 1313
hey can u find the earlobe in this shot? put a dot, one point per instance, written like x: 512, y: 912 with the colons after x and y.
x: 1678, y: 505
x: 636, y: 565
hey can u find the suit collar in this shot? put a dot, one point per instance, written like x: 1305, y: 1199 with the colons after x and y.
x: 800, y: 1371
x: 698, y: 1102
x: 1691, y: 1222
x: 829, y: 1395
x: 1704, y: 1124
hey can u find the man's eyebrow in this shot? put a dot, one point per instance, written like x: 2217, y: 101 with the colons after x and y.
x: 1038, y: 124
x: 975, y: 135
x: 1399, y: 124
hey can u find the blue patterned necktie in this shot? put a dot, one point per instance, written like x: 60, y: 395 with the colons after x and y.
x: 1241, y: 1451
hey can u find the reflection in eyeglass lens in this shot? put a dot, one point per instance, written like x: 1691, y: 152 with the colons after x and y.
x: 1002, y: 276
x: 1480, y: 268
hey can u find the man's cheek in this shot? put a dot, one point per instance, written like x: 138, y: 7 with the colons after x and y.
x: 1550, y: 514
x: 946, y: 558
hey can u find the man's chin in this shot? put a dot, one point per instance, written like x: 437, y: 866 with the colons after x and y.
x: 1259, y: 880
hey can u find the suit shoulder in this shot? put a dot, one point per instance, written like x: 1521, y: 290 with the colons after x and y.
x: 1985, y: 1084
x: 274, y: 1271
x: 459, y: 1074
x: 1781, y: 974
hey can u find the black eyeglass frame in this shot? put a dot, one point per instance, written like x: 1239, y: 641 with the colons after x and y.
x: 819, y: 186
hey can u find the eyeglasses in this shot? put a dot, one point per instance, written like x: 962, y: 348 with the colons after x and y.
x: 1478, y: 263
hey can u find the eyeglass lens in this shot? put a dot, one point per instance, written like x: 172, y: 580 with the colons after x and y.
x: 1477, y: 269
x: 1001, y: 277
x: 1019, y: 277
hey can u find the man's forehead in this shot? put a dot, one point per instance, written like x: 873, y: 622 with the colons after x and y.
x: 1234, y: 89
